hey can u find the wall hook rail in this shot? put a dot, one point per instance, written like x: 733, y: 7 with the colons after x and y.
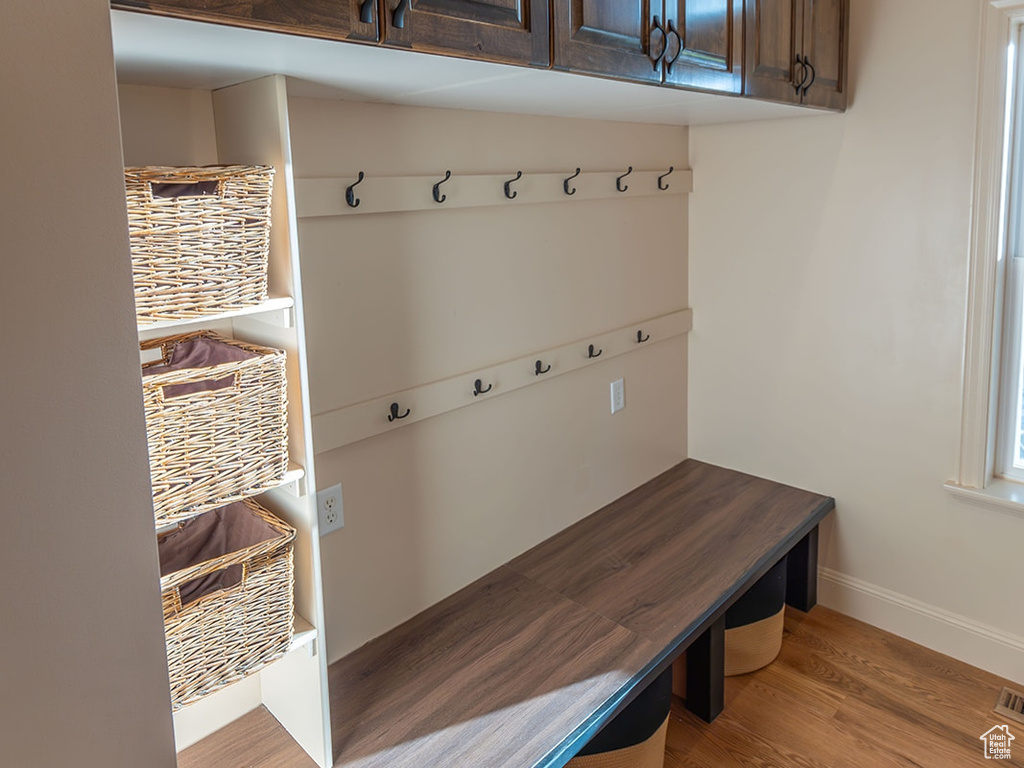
x: 508, y: 193
x: 640, y: 338
x: 438, y: 197
x: 394, y: 416
x: 618, y: 181
x: 478, y: 388
x: 591, y: 354
x: 539, y: 369
x: 660, y: 178
x: 350, y: 192
x: 565, y: 184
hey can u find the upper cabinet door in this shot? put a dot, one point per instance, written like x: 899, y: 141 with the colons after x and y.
x: 705, y: 44
x: 825, y: 26
x: 513, y: 31
x: 625, y: 39
x: 773, y: 41
x: 335, y: 19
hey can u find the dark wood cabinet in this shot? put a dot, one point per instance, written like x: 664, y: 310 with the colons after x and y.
x: 705, y: 44
x: 796, y: 51
x: 335, y: 19
x: 791, y: 51
x: 625, y: 40
x: 825, y: 30
x: 687, y: 43
x: 513, y: 31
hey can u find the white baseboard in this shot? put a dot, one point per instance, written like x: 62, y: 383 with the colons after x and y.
x: 978, y: 644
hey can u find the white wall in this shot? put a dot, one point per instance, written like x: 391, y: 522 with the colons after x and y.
x: 828, y: 262
x: 83, y: 674
x: 399, y: 300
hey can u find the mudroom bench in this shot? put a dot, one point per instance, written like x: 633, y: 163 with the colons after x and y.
x: 522, y: 667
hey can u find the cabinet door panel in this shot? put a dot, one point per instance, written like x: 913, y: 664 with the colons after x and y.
x: 773, y: 40
x: 609, y: 37
x: 515, y: 31
x: 335, y: 19
x: 824, y: 43
x: 709, y: 44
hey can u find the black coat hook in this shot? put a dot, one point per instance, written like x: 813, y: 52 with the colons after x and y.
x: 591, y: 353
x: 539, y: 370
x: 394, y: 412
x: 438, y: 197
x: 640, y: 338
x: 565, y: 184
x: 663, y: 188
x: 618, y: 181
x: 512, y: 195
x: 478, y: 388
x: 350, y: 194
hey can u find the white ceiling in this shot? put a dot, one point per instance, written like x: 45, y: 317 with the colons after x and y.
x: 154, y: 50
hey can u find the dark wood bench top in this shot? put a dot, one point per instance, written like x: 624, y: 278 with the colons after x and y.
x: 520, y: 668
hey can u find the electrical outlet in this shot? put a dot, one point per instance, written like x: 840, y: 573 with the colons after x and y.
x: 618, y: 395
x: 330, y: 509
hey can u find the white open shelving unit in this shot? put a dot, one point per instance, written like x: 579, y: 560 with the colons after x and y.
x: 251, y: 127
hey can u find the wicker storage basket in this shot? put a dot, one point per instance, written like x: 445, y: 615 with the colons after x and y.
x: 199, y: 238
x: 233, y: 629
x: 214, y: 445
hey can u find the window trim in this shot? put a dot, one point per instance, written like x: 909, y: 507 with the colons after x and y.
x: 976, y: 465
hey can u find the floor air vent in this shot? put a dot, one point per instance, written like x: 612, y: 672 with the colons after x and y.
x: 1011, y: 704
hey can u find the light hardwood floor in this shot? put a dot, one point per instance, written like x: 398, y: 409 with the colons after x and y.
x: 841, y: 694
x: 844, y: 694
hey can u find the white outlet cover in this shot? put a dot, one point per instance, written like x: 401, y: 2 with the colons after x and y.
x: 618, y: 393
x: 330, y: 509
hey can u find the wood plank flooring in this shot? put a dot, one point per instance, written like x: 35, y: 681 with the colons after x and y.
x: 843, y: 694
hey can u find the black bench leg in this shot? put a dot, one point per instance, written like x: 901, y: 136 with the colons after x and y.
x: 802, y: 573
x: 705, y: 673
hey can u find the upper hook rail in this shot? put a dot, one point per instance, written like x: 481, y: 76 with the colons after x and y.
x: 509, y: 194
x: 565, y: 184
x: 350, y: 195
x: 438, y: 197
x: 618, y: 181
x: 663, y: 188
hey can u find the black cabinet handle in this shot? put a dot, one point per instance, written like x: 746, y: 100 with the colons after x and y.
x: 679, y: 51
x: 814, y: 74
x: 664, y: 42
x: 803, y: 75
x: 366, y: 11
x: 398, y: 20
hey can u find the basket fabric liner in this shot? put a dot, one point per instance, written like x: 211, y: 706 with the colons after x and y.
x: 199, y: 352
x: 209, y: 536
